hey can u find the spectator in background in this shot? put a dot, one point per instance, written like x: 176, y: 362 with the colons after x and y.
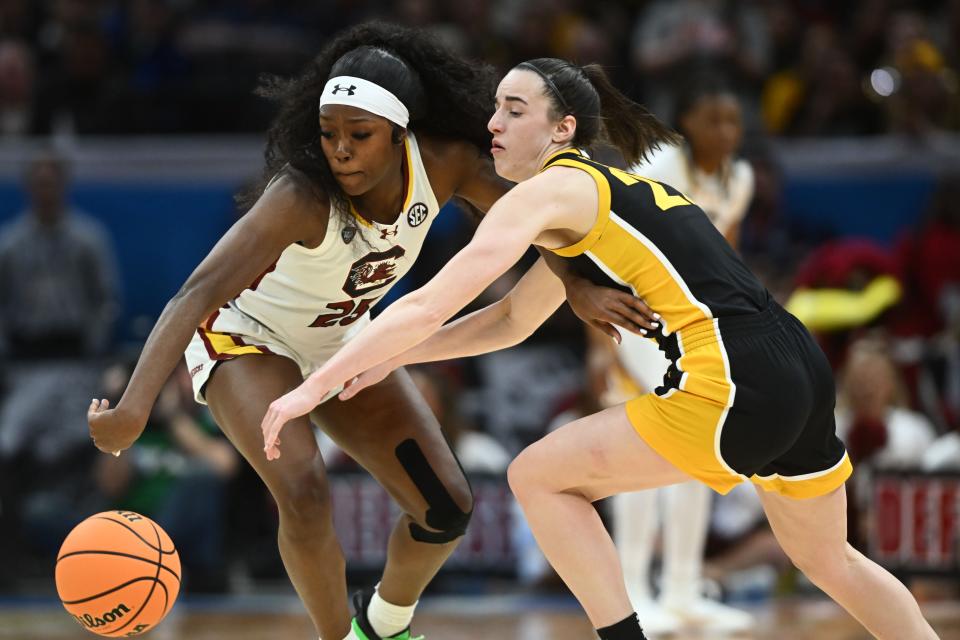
x: 872, y: 417
x: 57, y: 274
x: 176, y: 474
x: 532, y: 32
x: 929, y: 257
x: 820, y: 94
x: 79, y: 90
x: 880, y: 432
x: 923, y: 93
x: 57, y: 305
x: 16, y: 89
x: 928, y: 330
x: 144, y: 33
x: 843, y: 288
x: 673, y: 36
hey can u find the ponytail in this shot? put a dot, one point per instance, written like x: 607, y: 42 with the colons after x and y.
x: 628, y: 126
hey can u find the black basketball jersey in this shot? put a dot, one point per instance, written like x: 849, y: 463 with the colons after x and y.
x: 650, y: 240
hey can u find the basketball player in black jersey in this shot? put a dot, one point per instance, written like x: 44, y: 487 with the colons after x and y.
x: 748, y: 396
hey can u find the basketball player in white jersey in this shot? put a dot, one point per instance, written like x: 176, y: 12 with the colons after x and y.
x: 352, y: 194
x: 705, y: 170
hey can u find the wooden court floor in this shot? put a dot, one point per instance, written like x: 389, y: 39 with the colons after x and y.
x: 442, y: 618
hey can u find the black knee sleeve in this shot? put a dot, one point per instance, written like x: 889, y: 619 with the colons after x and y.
x: 443, y: 513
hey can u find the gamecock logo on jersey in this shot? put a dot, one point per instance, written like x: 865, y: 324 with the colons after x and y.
x: 373, y: 271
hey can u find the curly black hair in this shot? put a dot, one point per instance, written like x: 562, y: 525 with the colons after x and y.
x: 447, y: 97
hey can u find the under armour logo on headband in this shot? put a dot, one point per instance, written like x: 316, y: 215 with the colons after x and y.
x: 363, y: 94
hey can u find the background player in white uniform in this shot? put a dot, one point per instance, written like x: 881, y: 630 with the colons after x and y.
x: 352, y: 195
x: 707, y: 172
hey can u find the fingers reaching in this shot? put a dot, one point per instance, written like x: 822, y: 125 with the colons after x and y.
x: 348, y: 389
x: 272, y: 423
x: 638, y: 312
x: 608, y: 329
x: 354, y: 386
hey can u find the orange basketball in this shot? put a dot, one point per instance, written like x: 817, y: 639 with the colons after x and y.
x: 118, y: 574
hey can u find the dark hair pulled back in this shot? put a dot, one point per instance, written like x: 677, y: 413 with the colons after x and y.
x: 603, y: 114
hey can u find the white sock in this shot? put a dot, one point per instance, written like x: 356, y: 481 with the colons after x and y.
x: 388, y: 619
x: 351, y: 635
x: 636, y: 519
x: 686, y: 520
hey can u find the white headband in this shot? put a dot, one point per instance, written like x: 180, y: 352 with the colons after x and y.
x: 366, y: 95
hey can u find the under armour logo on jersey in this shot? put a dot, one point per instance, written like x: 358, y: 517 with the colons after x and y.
x: 389, y: 231
x: 417, y: 214
x: 352, y: 89
x: 347, y: 234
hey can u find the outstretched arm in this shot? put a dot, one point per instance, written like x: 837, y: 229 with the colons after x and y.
x: 503, y: 324
x: 512, y: 225
x: 601, y: 307
x: 282, y: 214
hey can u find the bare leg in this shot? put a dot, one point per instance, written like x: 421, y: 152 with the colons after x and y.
x: 600, y: 455
x: 813, y: 533
x: 369, y: 427
x: 239, y: 393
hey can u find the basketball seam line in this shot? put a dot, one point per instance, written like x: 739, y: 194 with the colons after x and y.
x: 108, y: 591
x: 156, y: 578
x: 153, y: 588
x: 159, y: 546
x: 119, y: 553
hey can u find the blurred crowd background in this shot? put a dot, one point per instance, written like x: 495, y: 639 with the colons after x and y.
x: 126, y: 126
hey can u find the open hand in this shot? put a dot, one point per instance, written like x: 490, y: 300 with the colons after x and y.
x: 291, y: 405
x: 604, y: 307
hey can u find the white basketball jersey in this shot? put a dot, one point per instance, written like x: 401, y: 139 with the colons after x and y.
x: 312, y: 298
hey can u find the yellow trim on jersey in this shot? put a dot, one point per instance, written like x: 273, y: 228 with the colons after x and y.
x: 623, y: 254
x: 356, y: 214
x: 224, y: 345
x: 674, y: 427
x: 663, y: 199
x: 553, y: 155
x: 603, y: 209
x: 406, y: 203
x: 682, y: 428
x: 410, y: 176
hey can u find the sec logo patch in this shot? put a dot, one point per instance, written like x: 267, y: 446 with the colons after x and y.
x: 417, y: 214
